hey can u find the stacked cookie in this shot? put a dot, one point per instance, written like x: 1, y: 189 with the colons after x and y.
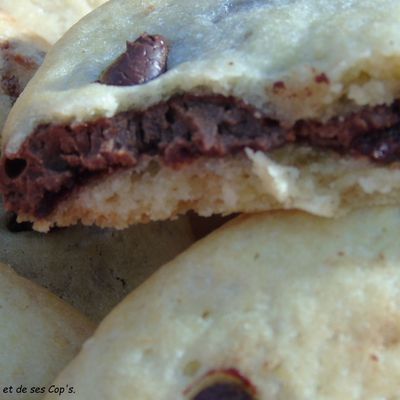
x: 166, y: 136
x: 146, y: 110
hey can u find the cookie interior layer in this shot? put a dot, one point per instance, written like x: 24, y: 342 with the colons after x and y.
x: 291, y: 306
x: 57, y: 159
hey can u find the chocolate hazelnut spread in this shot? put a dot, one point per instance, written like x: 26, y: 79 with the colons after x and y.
x: 57, y: 159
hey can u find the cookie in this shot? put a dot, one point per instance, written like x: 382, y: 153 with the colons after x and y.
x: 90, y: 268
x: 222, y: 107
x: 280, y: 305
x: 49, y: 18
x: 39, y: 335
x: 21, y: 53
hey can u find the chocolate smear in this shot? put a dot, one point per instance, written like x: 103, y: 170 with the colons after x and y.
x: 144, y: 59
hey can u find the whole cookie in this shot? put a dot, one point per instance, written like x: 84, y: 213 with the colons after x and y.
x: 148, y: 109
x: 39, y: 335
x: 280, y: 305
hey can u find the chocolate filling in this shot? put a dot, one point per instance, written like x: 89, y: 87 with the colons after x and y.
x: 56, y: 159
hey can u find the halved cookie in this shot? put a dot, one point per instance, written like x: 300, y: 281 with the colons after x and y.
x: 218, y: 107
x: 280, y: 305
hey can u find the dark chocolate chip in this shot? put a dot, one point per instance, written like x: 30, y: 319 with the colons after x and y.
x: 227, y: 384
x: 14, y: 226
x: 14, y: 167
x: 145, y: 59
x: 224, y: 391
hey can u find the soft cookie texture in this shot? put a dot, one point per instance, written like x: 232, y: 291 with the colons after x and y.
x: 21, y: 53
x: 50, y: 19
x: 280, y: 305
x: 39, y: 335
x: 235, y: 106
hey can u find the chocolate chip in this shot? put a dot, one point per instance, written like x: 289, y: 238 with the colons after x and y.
x: 224, y: 391
x: 145, y: 59
x: 226, y: 384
